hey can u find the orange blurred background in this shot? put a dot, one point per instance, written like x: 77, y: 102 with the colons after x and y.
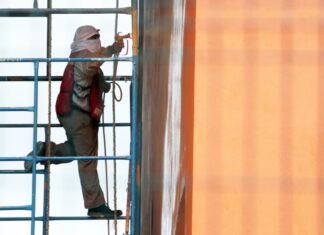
x: 258, y: 118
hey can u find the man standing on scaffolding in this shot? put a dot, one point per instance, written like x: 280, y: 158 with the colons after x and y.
x: 79, y: 106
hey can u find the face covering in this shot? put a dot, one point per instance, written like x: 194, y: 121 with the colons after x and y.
x: 81, y: 39
x: 92, y: 45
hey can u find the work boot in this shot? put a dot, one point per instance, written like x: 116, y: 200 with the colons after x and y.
x: 40, y: 151
x: 103, y: 211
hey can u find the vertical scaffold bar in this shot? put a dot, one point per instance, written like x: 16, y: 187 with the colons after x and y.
x: 35, y: 4
x: 47, y: 178
x: 46, y: 199
x: 46, y: 194
x: 134, y: 115
x: 36, y: 66
x: 134, y: 152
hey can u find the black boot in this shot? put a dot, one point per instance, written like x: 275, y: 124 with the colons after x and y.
x: 40, y: 151
x: 103, y: 211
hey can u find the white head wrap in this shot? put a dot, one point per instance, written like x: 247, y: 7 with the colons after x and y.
x: 81, y: 39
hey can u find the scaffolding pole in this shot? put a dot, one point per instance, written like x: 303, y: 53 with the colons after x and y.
x: 47, y: 12
x: 54, y: 78
x: 44, y: 12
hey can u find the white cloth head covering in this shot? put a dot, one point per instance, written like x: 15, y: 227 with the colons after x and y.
x: 81, y: 39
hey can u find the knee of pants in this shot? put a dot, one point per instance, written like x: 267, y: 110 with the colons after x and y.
x: 87, y: 165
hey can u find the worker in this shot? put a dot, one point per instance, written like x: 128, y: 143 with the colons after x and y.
x: 79, y: 106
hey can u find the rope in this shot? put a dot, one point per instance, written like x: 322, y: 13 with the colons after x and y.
x: 105, y: 152
x: 114, y: 83
x: 114, y: 125
x: 114, y: 144
x: 49, y: 75
x: 114, y: 98
x: 128, y: 202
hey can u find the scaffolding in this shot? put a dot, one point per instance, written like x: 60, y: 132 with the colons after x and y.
x: 134, y: 129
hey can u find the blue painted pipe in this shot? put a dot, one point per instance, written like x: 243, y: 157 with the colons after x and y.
x: 36, y: 67
x: 42, y: 12
x: 45, y: 199
x: 20, y: 172
x: 4, y: 60
x: 64, y: 158
x: 10, y: 109
x: 15, y: 208
x: 53, y: 218
x: 134, y: 150
x: 134, y: 208
x: 19, y: 125
x: 18, y: 78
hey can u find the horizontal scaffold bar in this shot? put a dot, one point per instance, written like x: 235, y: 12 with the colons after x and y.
x: 52, y: 218
x: 64, y: 158
x: 127, y: 59
x: 53, y: 78
x: 20, y: 172
x: 20, y: 125
x: 13, y: 109
x: 43, y: 12
x: 15, y: 208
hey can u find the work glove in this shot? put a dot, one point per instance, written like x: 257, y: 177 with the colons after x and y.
x: 118, y: 46
x: 105, y: 86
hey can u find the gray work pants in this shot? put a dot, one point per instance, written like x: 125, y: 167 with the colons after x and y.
x: 82, y: 140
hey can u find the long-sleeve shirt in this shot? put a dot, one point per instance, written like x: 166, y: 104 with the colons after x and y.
x: 84, y: 73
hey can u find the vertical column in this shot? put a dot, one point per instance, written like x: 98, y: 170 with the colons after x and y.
x: 135, y: 131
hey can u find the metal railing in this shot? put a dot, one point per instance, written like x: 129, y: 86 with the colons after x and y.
x: 36, y: 159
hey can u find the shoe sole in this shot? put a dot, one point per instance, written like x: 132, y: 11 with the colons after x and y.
x: 99, y: 215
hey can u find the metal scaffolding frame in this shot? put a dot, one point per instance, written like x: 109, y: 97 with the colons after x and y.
x: 47, y: 12
x: 44, y: 12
